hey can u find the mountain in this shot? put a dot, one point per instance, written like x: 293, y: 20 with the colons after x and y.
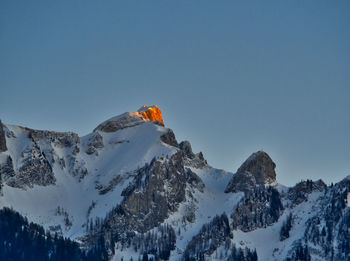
x: 130, y: 191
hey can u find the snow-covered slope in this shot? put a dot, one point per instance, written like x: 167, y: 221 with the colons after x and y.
x: 88, y: 183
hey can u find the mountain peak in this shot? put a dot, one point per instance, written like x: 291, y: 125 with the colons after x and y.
x: 258, y: 169
x: 130, y: 119
x: 261, y: 166
x: 151, y: 113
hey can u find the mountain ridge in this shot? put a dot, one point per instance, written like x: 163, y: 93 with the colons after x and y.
x: 132, y: 183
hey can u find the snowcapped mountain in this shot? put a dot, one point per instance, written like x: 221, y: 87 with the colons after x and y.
x: 130, y: 184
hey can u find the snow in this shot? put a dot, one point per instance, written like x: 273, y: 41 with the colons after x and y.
x: 40, y: 203
x: 128, y: 149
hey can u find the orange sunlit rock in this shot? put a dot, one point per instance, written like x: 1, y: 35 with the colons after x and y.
x: 151, y: 113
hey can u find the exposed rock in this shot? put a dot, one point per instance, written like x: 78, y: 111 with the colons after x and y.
x: 2, y: 138
x: 169, y: 138
x: 152, y: 113
x: 299, y: 193
x: 241, y: 182
x: 77, y: 167
x: 128, y: 119
x: 260, y: 208
x: 186, y: 147
x: 156, y: 191
x: 59, y: 139
x: 201, y: 156
x: 193, y: 179
x: 6, y: 169
x: 192, y: 160
x: 163, y: 189
x: 67, y: 140
x: 258, y: 169
x: 261, y: 166
x: 96, y: 142
x: 117, y: 180
x: 34, y: 170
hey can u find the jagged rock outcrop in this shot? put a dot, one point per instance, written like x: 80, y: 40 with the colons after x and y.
x: 152, y: 113
x: 35, y: 169
x: 6, y: 169
x: 59, y: 139
x: 241, y: 181
x: 257, y: 170
x: 156, y: 191
x: 260, y: 208
x: 3, y: 146
x: 193, y: 179
x: 169, y: 138
x: 35, y: 161
x: 95, y: 143
x: 186, y: 147
x: 192, y: 160
x: 152, y: 196
x: 299, y: 193
x: 64, y: 140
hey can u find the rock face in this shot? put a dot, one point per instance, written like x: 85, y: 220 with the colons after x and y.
x: 257, y: 170
x: 186, y: 147
x: 2, y: 139
x: 60, y: 139
x: 191, y: 159
x: 169, y: 138
x: 6, y: 169
x: 35, y: 170
x: 260, y: 208
x: 95, y: 143
x: 151, y: 113
x: 156, y: 191
x: 299, y: 193
x: 128, y: 119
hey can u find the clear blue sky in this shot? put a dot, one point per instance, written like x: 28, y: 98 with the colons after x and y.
x: 233, y: 77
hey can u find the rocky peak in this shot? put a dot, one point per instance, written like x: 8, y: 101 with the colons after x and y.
x: 261, y: 166
x: 186, y: 147
x: 151, y: 113
x: 299, y: 193
x: 258, y: 169
x: 130, y: 119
